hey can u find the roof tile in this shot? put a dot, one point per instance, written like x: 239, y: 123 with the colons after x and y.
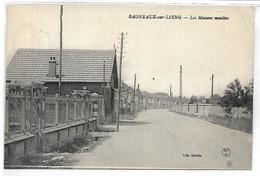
x: 78, y: 65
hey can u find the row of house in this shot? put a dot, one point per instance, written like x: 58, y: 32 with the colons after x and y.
x: 91, y: 70
x: 136, y: 100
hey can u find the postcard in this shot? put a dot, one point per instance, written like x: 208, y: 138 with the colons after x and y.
x: 129, y: 86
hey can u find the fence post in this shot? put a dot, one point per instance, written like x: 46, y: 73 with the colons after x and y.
x: 99, y: 117
x: 206, y: 111
x: 27, y: 103
x: 82, y: 109
x: 7, y: 113
x: 67, y: 108
x: 57, y: 109
x: 23, y: 106
x: 31, y: 108
x: 197, y: 108
x: 43, y: 113
x: 203, y: 109
x: 87, y: 109
x: 103, y: 108
x: 75, y: 108
x: 91, y: 107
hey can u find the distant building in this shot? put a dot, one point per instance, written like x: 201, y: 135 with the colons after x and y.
x: 88, y: 69
x: 125, y: 96
x: 144, y: 99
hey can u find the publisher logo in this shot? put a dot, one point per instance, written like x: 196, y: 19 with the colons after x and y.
x: 226, y: 152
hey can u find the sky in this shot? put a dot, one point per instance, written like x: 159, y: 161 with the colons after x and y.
x: 153, y: 48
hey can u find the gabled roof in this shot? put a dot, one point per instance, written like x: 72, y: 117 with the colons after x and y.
x: 78, y: 65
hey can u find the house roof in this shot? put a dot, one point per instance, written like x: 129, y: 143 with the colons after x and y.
x: 79, y: 65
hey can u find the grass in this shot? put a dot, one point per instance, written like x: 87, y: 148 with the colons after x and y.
x: 68, y: 148
x: 242, y: 124
x: 61, y: 154
x: 77, y: 144
x: 42, y: 160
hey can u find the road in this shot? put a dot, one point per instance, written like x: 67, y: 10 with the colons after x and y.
x: 160, y: 139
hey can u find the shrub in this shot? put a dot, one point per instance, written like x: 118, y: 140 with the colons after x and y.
x: 68, y: 148
x: 80, y: 141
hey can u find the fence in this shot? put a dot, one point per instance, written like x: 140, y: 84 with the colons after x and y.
x: 37, y: 123
x: 208, y: 110
x: 27, y: 113
x: 239, y: 119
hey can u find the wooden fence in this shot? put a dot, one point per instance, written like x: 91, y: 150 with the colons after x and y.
x: 29, y: 113
x: 36, y: 122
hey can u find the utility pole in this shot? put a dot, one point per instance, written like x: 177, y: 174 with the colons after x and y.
x: 138, y: 101
x: 119, y: 84
x: 104, y: 85
x: 212, y: 84
x: 60, y: 74
x: 104, y: 77
x: 180, y: 89
x: 134, y: 95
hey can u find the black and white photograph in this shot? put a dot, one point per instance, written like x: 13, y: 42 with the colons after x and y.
x: 128, y: 86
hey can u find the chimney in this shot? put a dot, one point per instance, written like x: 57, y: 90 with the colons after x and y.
x: 52, y: 67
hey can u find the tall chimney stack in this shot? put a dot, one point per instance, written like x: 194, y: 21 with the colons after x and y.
x: 52, y: 67
x: 180, y: 93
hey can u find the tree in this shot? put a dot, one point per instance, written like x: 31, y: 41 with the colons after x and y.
x: 202, y: 99
x: 208, y: 100
x: 233, y: 96
x: 216, y: 99
x: 193, y: 99
x: 248, y: 97
x: 185, y: 100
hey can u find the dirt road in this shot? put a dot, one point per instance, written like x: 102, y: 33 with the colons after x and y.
x: 161, y: 139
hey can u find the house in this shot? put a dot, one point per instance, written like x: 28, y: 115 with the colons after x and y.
x: 144, y: 99
x: 156, y: 100
x: 81, y: 69
x: 130, y: 99
x: 124, y: 98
